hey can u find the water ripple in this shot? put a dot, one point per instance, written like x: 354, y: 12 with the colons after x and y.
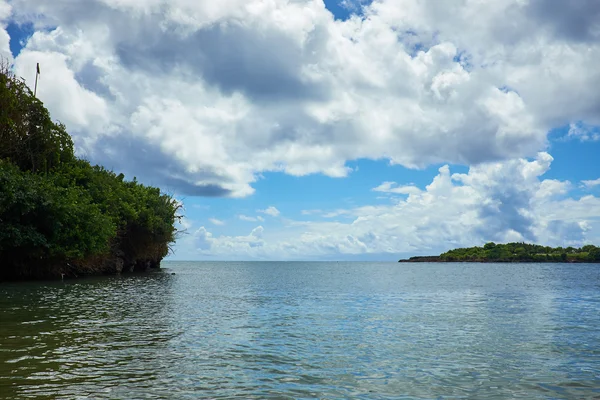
x: 306, y: 330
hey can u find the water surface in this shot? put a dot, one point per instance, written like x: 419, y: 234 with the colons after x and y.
x: 307, y: 330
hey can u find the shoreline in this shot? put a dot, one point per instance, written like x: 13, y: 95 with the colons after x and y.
x: 515, y: 252
x: 438, y: 259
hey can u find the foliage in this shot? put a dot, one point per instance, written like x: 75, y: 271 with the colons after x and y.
x: 522, y: 252
x: 28, y: 136
x: 62, y: 215
x: 42, y: 221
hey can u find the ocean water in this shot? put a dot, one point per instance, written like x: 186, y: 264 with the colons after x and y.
x: 307, y: 330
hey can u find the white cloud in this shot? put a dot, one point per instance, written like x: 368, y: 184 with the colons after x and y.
x: 336, y: 213
x: 202, y: 97
x: 391, y: 187
x: 311, y: 212
x: 354, y: 5
x: 583, y: 132
x: 257, y: 232
x: 203, y: 239
x: 250, y: 219
x: 184, y: 224
x: 5, y: 11
x: 4, y: 45
x: 223, y: 91
x: 217, y: 222
x: 272, y: 211
x: 591, y: 183
x: 501, y: 202
x: 71, y: 103
x: 229, y: 246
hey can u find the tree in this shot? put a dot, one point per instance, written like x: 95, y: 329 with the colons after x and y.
x: 58, y: 211
x: 28, y: 136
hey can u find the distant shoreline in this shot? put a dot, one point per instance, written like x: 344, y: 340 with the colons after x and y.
x: 437, y: 259
x: 515, y: 253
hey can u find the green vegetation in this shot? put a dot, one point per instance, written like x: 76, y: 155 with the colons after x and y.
x: 523, y: 252
x: 61, y: 215
x: 515, y: 252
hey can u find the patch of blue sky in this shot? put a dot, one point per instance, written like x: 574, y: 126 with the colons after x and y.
x: 19, y: 35
x: 465, y: 60
x: 574, y: 159
x: 292, y: 195
x: 344, y: 9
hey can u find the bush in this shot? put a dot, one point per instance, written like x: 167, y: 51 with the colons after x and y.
x: 59, y: 214
x: 43, y: 225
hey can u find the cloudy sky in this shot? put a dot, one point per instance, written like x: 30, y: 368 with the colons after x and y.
x: 311, y: 129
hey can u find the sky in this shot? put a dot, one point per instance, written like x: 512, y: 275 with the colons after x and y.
x: 336, y: 130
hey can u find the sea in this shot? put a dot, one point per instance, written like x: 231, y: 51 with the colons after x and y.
x: 306, y: 330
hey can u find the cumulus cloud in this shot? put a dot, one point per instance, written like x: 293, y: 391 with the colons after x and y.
x: 257, y: 232
x: 499, y: 201
x: 77, y: 106
x: 336, y: 213
x: 5, y: 12
x: 201, y: 97
x: 183, y: 224
x: 571, y: 20
x: 250, y: 219
x: 217, y: 222
x: 272, y: 211
x: 591, y: 183
x: 391, y: 187
x: 229, y: 246
x: 583, y: 132
x: 203, y: 239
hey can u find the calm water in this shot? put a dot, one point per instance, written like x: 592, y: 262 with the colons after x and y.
x: 307, y: 330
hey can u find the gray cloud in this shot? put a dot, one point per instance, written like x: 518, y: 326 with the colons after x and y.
x: 149, y: 164
x: 265, y: 66
x: 261, y: 62
x: 219, y: 92
x: 505, y: 213
x: 576, y: 20
x: 566, y: 233
x: 91, y: 77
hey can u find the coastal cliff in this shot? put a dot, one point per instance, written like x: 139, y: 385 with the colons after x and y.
x: 61, y: 216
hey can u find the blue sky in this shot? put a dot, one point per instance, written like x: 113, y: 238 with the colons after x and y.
x: 300, y: 133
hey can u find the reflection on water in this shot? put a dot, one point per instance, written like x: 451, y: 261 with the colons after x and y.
x: 306, y: 330
x: 83, y: 337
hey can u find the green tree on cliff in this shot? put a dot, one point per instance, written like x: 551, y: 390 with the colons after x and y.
x: 61, y: 215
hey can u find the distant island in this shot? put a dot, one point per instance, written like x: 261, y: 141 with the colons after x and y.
x: 60, y: 216
x: 515, y: 253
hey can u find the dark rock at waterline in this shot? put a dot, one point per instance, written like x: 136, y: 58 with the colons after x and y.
x: 112, y: 265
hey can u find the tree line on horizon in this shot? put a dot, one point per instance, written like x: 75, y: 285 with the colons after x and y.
x: 522, y: 252
x: 61, y: 215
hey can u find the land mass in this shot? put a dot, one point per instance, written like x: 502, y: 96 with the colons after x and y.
x: 60, y: 216
x: 515, y: 253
